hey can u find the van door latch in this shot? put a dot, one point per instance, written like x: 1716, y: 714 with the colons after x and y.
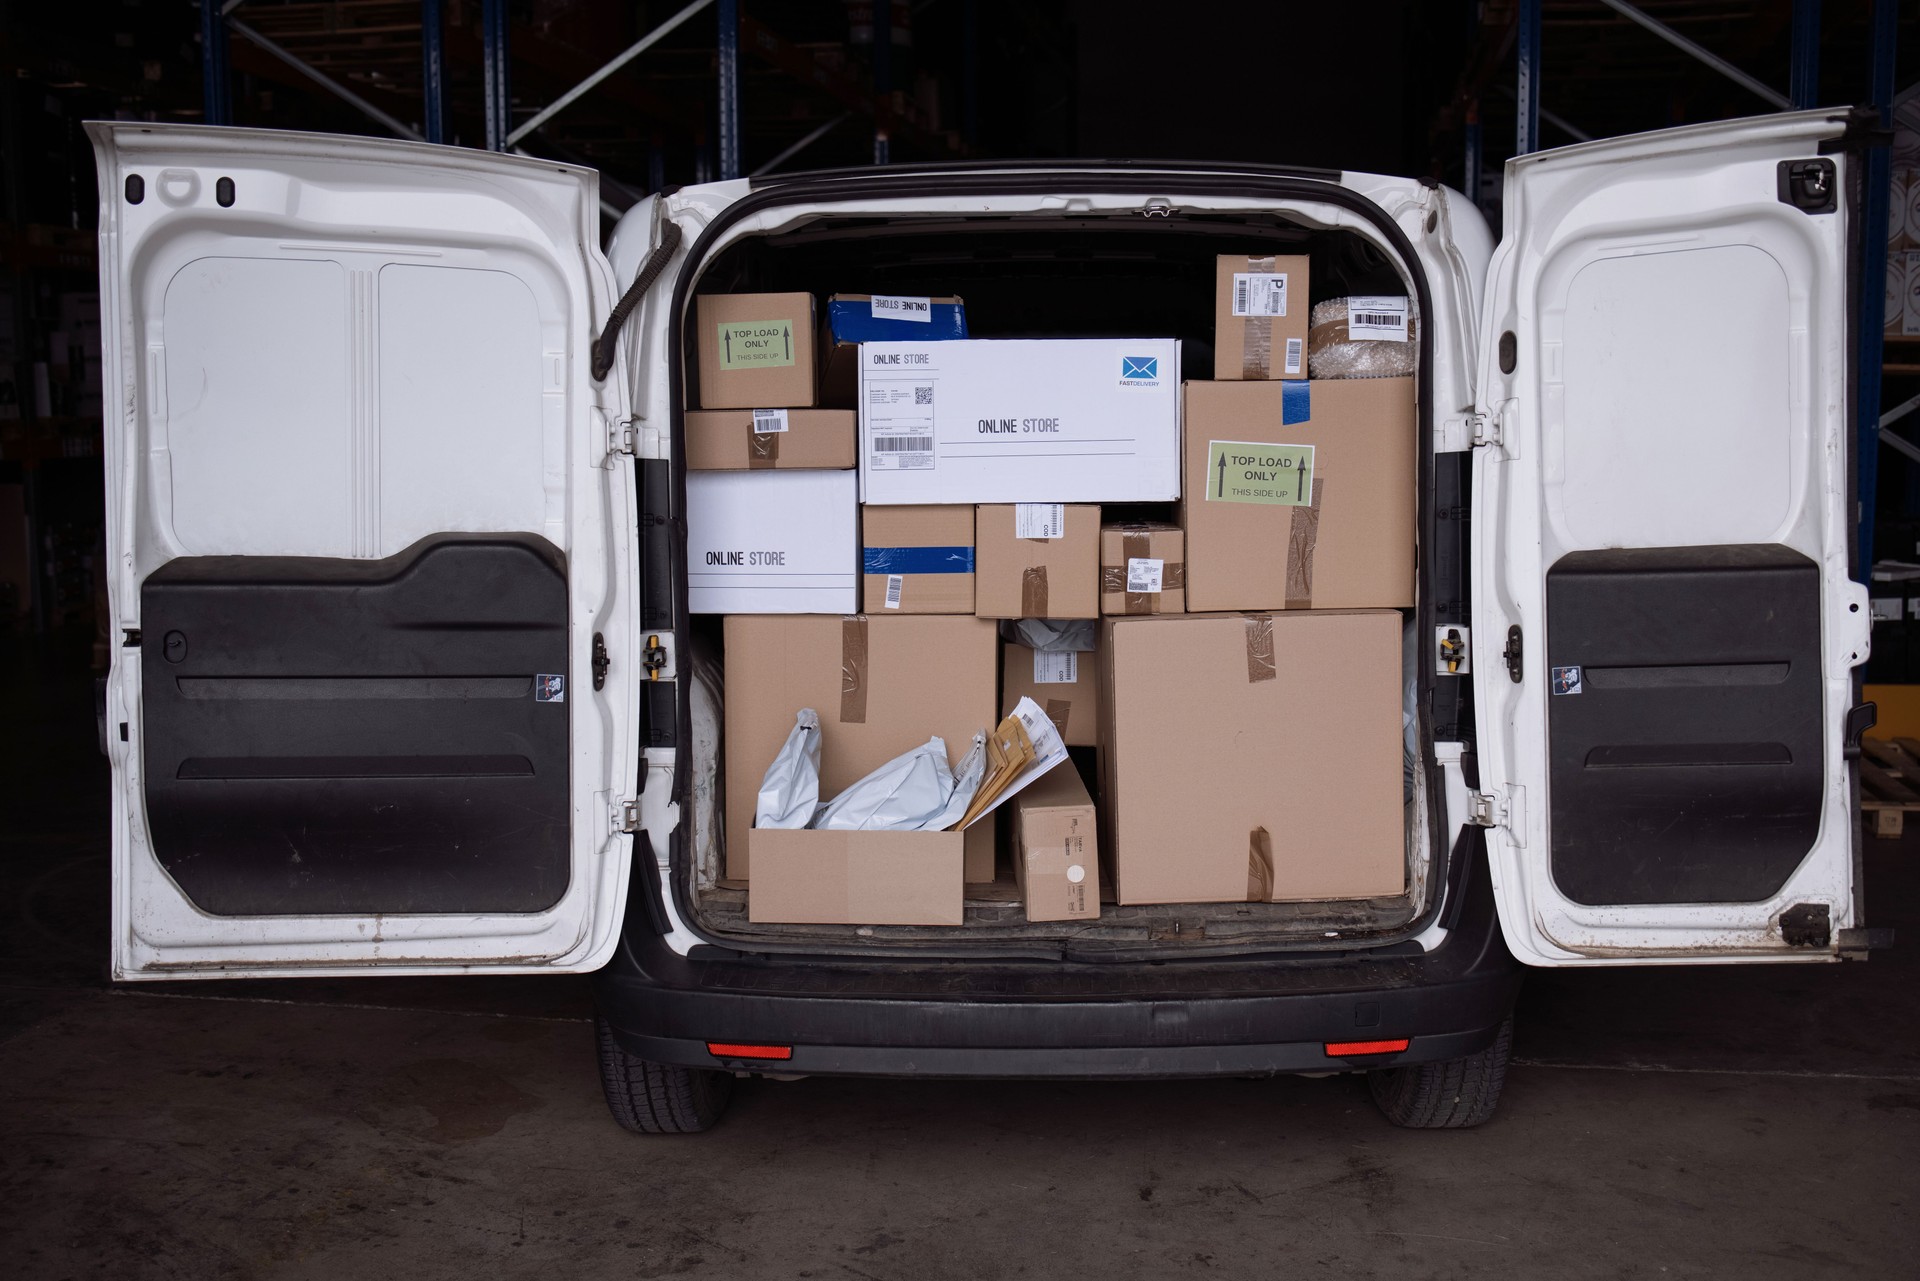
x: 1514, y: 653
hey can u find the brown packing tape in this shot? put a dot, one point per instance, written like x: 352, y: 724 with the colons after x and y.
x: 763, y: 449
x: 1033, y: 591
x: 1260, y: 648
x: 853, y: 670
x: 1259, y: 866
x: 1058, y: 710
x: 1303, y: 537
x: 1256, y: 340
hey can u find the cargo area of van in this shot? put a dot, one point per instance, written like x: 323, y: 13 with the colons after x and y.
x: 1224, y: 689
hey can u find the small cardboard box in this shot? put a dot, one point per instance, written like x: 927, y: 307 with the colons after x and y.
x: 781, y: 542
x: 1037, y: 560
x: 1300, y: 495
x: 756, y: 350
x: 1057, y: 420
x: 1056, y: 850
x: 1148, y: 555
x: 1066, y: 685
x: 856, y: 318
x: 763, y: 439
x: 856, y: 878
x: 918, y: 560
x: 1253, y: 757
x: 881, y: 685
x: 1260, y: 312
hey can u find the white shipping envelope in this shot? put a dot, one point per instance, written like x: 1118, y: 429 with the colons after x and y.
x: 1048, y: 751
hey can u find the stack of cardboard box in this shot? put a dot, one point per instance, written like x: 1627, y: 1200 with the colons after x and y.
x: 1227, y: 645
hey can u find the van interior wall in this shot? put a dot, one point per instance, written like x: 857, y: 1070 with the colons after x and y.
x: 1048, y: 276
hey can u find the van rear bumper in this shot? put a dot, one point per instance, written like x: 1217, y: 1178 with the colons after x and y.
x: 842, y: 1016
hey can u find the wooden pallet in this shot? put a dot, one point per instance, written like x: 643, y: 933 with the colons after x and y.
x: 1889, y: 783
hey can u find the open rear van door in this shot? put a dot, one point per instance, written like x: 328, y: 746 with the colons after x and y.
x: 1665, y: 622
x: 365, y: 545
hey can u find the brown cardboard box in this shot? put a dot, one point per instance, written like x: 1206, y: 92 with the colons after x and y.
x: 856, y: 878
x: 1251, y: 340
x: 1264, y: 532
x: 756, y: 350
x: 725, y: 440
x: 917, y: 560
x: 1066, y: 686
x: 882, y: 686
x: 1053, y: 574
x: 1253, y: 756
x: 1056, y: 854
x: 1160, y: 549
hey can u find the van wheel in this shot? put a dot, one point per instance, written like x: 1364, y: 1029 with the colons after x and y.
x: 1453, y: 1094
x: 659, y: 1098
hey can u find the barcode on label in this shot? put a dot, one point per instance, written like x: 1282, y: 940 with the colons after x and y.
x: 1055, y: 668
x: 1259, y: 293
x: 1039, y: 520
x: 902, y: 444
x: 1293, y: 355
x: 1377, y: 319
x: 769, y: 420
x: 893, y: 591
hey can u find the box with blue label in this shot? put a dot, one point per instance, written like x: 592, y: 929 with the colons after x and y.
x: 1070, y: 420
x: 917, y: 560
x: 856, y: 318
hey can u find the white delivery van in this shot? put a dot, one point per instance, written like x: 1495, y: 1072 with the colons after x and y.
x: 407, y: 684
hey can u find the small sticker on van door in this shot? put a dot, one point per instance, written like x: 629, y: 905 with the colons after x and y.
x: 1243, y: 471
x: 549, y: 689
x: 1566, y: 680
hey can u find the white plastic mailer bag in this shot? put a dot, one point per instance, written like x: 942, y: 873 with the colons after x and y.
x: 966, y: 781
x: 910, y: 793
x: 1054, y: 635
x: 790, y: 792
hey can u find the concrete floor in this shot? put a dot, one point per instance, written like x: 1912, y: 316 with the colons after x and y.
x: 1660, y: 1123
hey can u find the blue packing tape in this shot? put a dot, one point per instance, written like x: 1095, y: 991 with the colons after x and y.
x: 918, y: 560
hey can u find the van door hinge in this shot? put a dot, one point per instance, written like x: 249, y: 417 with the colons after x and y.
x: 624, y: 438
x: 1488, y: 429
x: 626, y: 816
x: 1486, y: 809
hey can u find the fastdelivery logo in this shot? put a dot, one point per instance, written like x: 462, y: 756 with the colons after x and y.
x: 1139, y: 369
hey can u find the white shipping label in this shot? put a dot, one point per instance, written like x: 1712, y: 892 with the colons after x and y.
x: 769, y: 420
x: 1039, y: 520
x: 893, y: 591
x: 1377, y: 319
x: 899, y: 307
x: 1144, y: 575
x: 899, y: 420
x: 1293, y: 355
x: 1259, y: 293
x: 1055, y: 668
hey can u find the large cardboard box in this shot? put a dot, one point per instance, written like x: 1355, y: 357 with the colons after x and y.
x: 756, y: 350
x: 1260, y: 313
x: 1056, y: 851
x: 1253, y: 757
x: 781, y: 542
x: 1064, y: 420
x: 1143, y: 568
x: 1300, y: 495
x: 917, y: 560
x: 881, y: 685
x: 856, y: 318
x: 764, y: 439
x: 1037, y: 560
x: 1066, y: 686
x: 856, y: 878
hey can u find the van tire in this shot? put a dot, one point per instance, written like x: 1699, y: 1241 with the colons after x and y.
x: 659, y: 1098
x: 1454, y: 1094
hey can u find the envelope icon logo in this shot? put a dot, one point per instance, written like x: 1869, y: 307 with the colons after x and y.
x: 1132, y: 367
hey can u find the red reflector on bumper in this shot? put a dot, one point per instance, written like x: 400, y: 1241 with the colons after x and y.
x: 1347, y: 1049
x: 727, y: 1050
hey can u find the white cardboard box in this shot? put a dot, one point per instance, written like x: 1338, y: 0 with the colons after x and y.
x: 772, y: 542
x: 1064, y: 420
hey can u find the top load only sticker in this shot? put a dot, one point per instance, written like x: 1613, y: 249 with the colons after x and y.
x: 755, y: 344
x: 1243, y: 471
